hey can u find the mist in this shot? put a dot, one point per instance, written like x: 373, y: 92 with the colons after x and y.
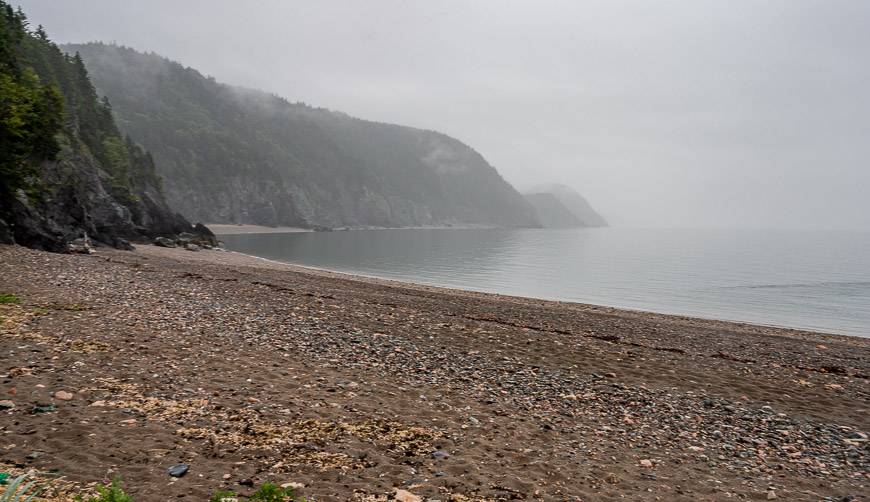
x: 693, y: 113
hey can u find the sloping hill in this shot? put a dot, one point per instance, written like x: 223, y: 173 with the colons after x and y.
x: 551, y: 212
x: 234, y: 155
x: 574, y: 202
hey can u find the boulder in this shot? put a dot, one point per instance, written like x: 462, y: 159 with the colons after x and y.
x: 164, y: 242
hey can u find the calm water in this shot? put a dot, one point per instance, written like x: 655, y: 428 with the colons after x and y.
x: 801, y: 279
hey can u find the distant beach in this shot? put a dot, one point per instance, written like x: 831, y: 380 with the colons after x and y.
x: 232, y: 229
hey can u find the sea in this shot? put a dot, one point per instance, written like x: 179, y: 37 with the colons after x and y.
x: 815, y: 280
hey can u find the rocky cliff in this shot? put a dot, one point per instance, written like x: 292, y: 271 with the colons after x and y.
x: 66, y: 173
x: 234, y: 155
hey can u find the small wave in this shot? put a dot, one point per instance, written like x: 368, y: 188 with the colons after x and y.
x: 805, y: 285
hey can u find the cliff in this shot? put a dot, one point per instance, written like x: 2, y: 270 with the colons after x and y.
x: 234, y: 155
x: 67, y: 173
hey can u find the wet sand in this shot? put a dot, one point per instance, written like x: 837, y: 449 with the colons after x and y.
x: 251, y: 370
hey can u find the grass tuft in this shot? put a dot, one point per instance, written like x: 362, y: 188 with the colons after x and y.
x: 6, y: 298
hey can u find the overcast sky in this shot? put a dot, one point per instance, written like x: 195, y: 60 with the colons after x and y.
x: 685, y: 113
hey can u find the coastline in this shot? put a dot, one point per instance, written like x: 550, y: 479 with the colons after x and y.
x: 238, y: 229
x: 351, y: 385
x: 769, y: 329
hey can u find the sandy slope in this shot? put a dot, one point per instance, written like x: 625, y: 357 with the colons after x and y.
x: 252, y: 370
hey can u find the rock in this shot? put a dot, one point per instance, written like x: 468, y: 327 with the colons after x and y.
x: 440, y: 455
x: 6, y: 235
x: 44, y: 408
x: 176, y: 471
x: 164, y: 242
x: 98, y: 403
x: 191, y: 247
x: 63, y: 395
x: 246, y: 482
x: 406, y: 496
x: 227, y: 476
x: 82, y: 245
x: 292, y: 484
x: 33, y: 456
x: 771, y: 495
x: 6, y: 404
x: 646, y: 463
x: 610, y: 375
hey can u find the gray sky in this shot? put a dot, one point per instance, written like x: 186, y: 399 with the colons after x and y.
x: 663, y: 113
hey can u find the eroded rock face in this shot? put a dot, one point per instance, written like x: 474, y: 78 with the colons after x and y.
x: 75, y: 200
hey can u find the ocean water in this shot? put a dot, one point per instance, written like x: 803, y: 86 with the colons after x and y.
x: 817, y: 280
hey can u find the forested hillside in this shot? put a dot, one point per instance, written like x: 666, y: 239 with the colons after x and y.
x: 229, y: 154
x: 65, y: 169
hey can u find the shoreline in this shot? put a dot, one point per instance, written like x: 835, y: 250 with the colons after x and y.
x: 245, y: 229
x: 251, y: 369
x: 362, y: 277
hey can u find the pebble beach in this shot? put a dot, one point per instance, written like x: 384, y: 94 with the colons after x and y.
x: 125, y: 364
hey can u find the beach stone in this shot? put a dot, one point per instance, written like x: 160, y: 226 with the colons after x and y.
x: 164, y: 242
x: 176, y: 471
x: 406, y: 496
x: 646, y: 463
x: 6, y: 404
x: 771, y: 495
x: 82, y: 245
x: 440, y: 455
x: 292, y: 484
x: 63, y: 395
x: 191, y: 247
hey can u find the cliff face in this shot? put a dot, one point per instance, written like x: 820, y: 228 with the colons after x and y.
x: 236, y: 155
x: 66, y: 171
x: 571, y: 201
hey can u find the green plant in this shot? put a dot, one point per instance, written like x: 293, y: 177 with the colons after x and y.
x: 13, y: 494
x: 220, y: 496
x: 111, y: 493
x: 269, y: 492
x: 8, y: 298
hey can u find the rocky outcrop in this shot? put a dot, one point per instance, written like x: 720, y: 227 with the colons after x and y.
x: 75, y: 202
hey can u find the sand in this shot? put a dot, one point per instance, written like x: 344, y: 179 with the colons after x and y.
x: 252, y: 371
x: 230, y: 229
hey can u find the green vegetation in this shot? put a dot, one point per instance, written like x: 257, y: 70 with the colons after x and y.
x: 15, y: 492
x: 272, y: 493
x: 267, y: 492
x: 6, y: 298
x: 46, y: 101
x: 61, y: 152
x: 31, y: 110
x: 111, y: 493
x: 221, y: 496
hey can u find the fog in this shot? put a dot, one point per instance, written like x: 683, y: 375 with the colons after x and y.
x: 691, y: 113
